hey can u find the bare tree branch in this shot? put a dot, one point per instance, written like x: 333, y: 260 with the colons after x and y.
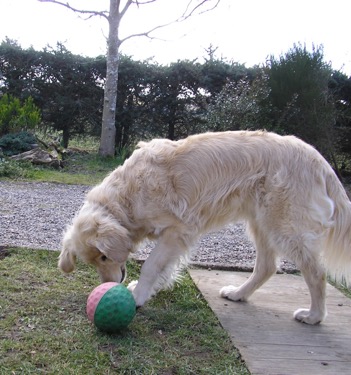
x: 123, y: 11
x: 90, y: 13
x: 138, y: 2
x: 189, y: 11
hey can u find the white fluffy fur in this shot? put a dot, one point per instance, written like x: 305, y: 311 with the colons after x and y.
x: 293, y: 204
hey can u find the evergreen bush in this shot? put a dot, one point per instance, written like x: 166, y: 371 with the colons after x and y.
x: 16, y: 143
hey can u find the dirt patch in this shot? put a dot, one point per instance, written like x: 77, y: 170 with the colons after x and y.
x: 4, y: 252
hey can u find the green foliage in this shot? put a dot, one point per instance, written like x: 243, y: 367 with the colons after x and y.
x: 240, y: 106
x: 295, y: 93
x: 290, y: 96
x: 340, y: 87
x: 14, y: 169
x: 15, y: 117
x: 216, y: 73
x: 67, y: 88
x: 15, y: 143
x: 124, y: 152
x: 152, y: 100
x: 300, y: 97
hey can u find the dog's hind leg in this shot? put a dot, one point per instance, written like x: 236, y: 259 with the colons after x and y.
x: 265, y: 267
x: 159, y: 267
x: 315, y: 277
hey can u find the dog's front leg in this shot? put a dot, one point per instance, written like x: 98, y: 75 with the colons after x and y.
x: 158, y: 267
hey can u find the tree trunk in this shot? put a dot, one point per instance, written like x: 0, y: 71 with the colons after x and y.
x: 171, y: 130
x: 108, y: 128
x: 65, y: 137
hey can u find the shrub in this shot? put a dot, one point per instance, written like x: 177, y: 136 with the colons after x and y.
x: 14, y: 169
x: 13, y: 144
x: 15, y: 116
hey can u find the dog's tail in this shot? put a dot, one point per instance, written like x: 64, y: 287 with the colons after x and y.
x: 337, y: 252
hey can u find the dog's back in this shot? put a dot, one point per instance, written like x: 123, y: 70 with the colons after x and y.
x: 210, y: 169
x: 278, y: 182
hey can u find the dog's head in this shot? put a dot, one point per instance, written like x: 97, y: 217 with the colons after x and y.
x: 97, y: 238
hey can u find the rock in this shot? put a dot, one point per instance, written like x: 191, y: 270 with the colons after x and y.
x: 38, y: 156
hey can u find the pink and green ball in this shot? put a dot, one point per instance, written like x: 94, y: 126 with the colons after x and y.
x: 111, y: 307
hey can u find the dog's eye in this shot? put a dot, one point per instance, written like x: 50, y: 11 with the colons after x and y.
x: 104, y: 258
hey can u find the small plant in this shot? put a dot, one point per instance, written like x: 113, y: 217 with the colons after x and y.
x: 124, y: 152
x: 14, y: 169
x: 15, y: 143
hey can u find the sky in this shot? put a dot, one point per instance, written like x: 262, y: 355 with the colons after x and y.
x: 244, y: 31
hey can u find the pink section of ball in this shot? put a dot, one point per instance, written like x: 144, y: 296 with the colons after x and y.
x: 95, y: 297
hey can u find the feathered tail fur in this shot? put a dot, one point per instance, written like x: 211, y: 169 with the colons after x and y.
x: 337, y: 252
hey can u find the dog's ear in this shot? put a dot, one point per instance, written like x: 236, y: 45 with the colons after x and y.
x: 67, y: 258
x: 113, y: 240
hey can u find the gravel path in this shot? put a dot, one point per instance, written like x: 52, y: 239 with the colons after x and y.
x: 35, y: 214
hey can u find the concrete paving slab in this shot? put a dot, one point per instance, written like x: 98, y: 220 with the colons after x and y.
x: 271, y: 342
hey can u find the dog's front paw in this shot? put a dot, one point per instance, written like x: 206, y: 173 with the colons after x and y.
x: 308, y: 317
x: 231, y: 292
x: 131, y: 286
x: 140, y: 293
x: 139, y: 297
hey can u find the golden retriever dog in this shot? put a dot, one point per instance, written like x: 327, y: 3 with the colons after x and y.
x: 174, y: 191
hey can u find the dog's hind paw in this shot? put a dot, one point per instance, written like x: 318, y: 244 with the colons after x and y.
x: 308, y: 317
x: 231, y: 292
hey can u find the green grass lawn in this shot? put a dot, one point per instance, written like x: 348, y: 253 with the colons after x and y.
x: 44, y: 328
x: 85, y: 168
